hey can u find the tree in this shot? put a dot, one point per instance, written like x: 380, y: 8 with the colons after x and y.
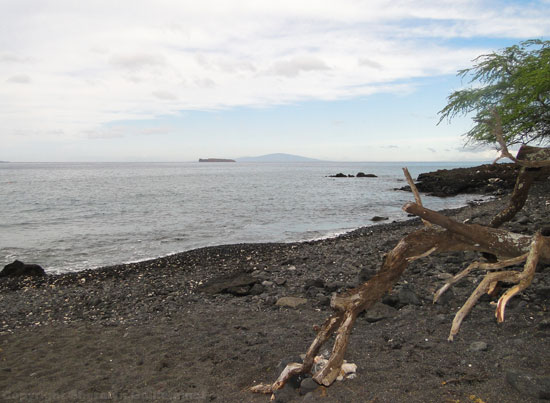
x: 515, y: 83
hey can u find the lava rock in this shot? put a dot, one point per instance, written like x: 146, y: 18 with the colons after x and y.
x: 257, y: 289
x: 523, y: 220
x: 332, y: 287
x: 18, y: 268
x: 379, y: 311
x: 529, y: 385
x: 391, y: 300
x: 238, y: 291
x: 364, y: 175
x: 280, y: 281
x: 377, y: 218
x: 314, y: 282
x: 235, y: 284
x: 323, y: 300
x: 308, y: 385
x: 407, y: 296
x: 451, y: 182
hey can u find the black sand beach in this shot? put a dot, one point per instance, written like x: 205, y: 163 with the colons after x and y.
x: 165, y: 330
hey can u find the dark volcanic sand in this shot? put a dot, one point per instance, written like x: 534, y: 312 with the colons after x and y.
x: 143, y: 332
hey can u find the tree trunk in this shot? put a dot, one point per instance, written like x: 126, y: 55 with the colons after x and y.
x: 524, y: 181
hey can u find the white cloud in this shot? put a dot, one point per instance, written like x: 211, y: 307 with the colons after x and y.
x: 19, y: 79
x: 137, y: 61
x: 165, y: 95
x: 97, y: 62
x: 298, y: 64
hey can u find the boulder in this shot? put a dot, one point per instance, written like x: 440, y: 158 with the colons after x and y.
x: 18, y: 268
x: 378, y: 218
x: 364, y: 175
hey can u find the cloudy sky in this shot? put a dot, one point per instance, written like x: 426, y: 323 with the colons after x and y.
x: 176, y: 80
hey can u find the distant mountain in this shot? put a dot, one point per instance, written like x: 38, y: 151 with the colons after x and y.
x: 279, y: 157
x: 215, y: 160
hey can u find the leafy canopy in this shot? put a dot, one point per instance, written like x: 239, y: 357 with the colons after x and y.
x: 515, y: 82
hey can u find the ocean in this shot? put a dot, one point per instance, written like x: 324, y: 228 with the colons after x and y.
x: 69, y: 217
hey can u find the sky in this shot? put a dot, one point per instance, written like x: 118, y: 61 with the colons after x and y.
x: 178, y: 80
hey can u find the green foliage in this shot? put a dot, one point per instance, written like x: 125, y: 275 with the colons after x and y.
x: 516, y: 83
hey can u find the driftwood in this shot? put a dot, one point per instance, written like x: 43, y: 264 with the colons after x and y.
x: 445, y: 235
x: 454, y: 236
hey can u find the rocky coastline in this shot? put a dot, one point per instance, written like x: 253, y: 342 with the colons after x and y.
x: 206, y: 324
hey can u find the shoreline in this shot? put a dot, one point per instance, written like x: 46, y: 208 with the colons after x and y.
x: 167, y: 328
x: 104, y: 230
x: 475, y: 198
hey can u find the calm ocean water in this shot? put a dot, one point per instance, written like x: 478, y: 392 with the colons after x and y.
x: 75, y: 216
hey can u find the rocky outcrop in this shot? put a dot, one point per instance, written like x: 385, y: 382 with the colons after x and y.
x: 359, y: 175
x: 485, y: 179
x: 340, y: 175
x: 18, y: 268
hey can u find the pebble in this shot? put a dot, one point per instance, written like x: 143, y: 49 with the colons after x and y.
x: 523, y: 220
x: 478, y: 346
x: 280, y: 281
x: 314, y: 282
x: 332, y: 287
x: 267, y: 283
x: 257, y: 289
x: 323, y: 300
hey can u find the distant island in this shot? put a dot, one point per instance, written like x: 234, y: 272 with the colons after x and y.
x: 279, y: 157
x: 215, y: 160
